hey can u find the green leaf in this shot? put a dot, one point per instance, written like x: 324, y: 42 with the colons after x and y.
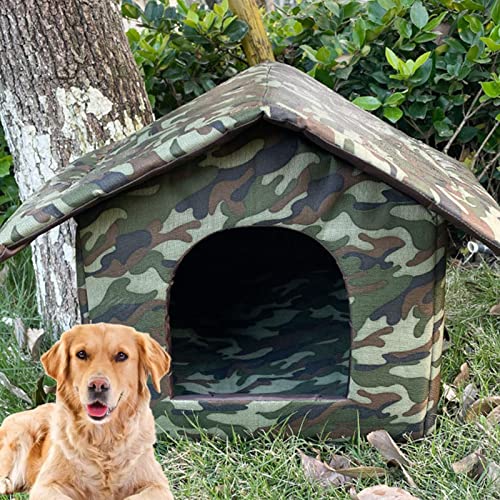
x: 392, y: 58
x: 324, y: 55
x: 455, y: 45
x: 418, y: 110
x: 221, y: 8
x: 236, y: 30
x: 130, y: 10
x: 495, y: 12
x: 422, y: 75
x: 467, y: 134
x: 324, y: 76
x: 474, y: 23
x: 464, y: 30
x: 367, y: 102
x: 153, y: 11
x: 408, y: 68
x: 420, y: 61
x: 442, y: 128
x: 472, y: 53
x: 309, y: 52
x: 133, y: 36
x: 425, y: 37
x: 491, y: 89
x: 359, y: 32
x: 491, y: 44
x: 408, y: 47
x: 418, y: 15
x: 207, y: 83
x: 435, y: 22
x: 192, y: 19
x: 393, y: 114
x: 350, y: 9
x: 403, y: 27
x: 294, y: 27
x: 332, y: 7
x: 386, y: 4
x: 395, y: 99
x: 471, y: 5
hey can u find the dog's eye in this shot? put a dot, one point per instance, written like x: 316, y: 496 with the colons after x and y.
x: 81, y: 355
x: 121, y: 356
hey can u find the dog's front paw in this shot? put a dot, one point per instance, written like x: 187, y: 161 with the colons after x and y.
x: 5, y: 486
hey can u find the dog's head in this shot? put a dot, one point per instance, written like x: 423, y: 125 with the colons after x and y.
x: 102, y: 367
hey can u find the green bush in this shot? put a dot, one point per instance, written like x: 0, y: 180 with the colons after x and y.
x: 429, y: 67
x: 184, y: 51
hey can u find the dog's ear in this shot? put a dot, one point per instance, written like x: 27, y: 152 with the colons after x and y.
x: 154, y: 358
x: 55, y: 359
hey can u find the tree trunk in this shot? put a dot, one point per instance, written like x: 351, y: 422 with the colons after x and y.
x: 256, y: 44
x: 68, y: 85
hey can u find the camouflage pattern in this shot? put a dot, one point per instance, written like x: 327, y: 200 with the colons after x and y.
x: 260, y: 370
x: 274, y: 93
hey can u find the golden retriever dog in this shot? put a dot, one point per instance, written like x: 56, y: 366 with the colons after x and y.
x: 96, y: 441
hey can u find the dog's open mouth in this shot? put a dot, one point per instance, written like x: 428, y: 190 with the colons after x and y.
x: 98, y: 411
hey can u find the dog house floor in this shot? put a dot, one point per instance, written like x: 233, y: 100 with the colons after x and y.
x: 261, y: 328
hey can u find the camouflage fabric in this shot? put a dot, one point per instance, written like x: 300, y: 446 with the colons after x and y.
x: 282, y: 95
x: 388, y: 248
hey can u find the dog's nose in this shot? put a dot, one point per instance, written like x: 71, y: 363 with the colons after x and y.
x: 98, y: 384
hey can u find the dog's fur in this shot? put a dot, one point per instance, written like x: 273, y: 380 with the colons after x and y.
x: 62, y: 450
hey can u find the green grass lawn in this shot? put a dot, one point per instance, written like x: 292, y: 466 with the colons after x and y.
x: 268, y: 465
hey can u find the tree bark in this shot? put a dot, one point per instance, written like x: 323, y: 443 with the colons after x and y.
x: 256, y: 44
x: 68, y: 85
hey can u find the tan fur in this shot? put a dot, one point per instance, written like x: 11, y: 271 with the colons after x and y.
x: 58, y: 452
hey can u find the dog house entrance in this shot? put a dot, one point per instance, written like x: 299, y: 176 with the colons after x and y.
x: 259, y: 312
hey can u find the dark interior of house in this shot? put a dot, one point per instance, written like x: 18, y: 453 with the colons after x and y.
x: 259, y: 311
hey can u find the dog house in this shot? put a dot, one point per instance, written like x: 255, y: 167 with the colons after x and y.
x: 288, y: 248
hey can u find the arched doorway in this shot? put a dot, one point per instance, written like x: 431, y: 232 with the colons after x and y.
x: 259, y: 311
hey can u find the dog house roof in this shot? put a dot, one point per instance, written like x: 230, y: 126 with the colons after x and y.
x: 286, y: 97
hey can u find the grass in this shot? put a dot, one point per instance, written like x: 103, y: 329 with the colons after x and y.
x: 268, y: 465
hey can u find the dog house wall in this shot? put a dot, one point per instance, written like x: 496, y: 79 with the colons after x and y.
x: 389, y: 248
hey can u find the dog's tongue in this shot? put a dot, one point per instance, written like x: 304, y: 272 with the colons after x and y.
x: 97, y: 410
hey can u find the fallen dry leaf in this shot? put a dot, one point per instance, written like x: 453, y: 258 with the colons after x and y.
x: 382, y: 491
x: 342, y: 465
x: 482, y: 407
x: 472, y: 464
x: 20, y: 332
x: 317, y: 471
x: 339, y: 462
x: 449, y: 393
x: 494, y: 416
x: 387, y: 447
x: 462, y: 376
x: 363, y: 472
x: 493, y: 473
x: 13, y: 389
x: 34, y: 338
x: 383, y: 442
x: 469, y: 395
x: 495, y: 310
x: 50, y: 389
